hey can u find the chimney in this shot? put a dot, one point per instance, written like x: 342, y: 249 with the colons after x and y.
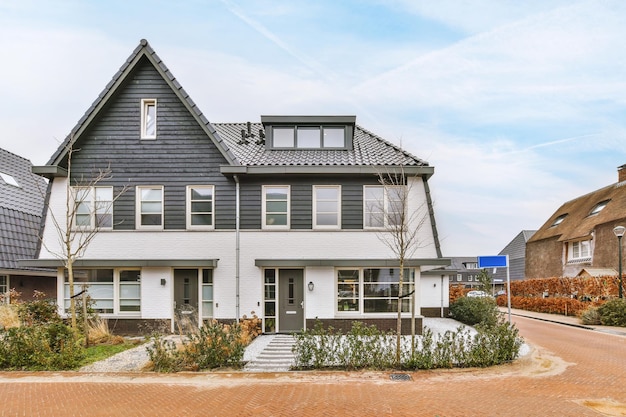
x: 621, y: 173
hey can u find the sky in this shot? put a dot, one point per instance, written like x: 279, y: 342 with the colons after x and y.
x: 518, y: 104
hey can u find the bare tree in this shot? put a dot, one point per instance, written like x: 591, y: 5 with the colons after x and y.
x: 86, y: 212
x: 400, y: 224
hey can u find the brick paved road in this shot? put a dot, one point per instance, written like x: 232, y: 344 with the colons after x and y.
x: 572, y: 372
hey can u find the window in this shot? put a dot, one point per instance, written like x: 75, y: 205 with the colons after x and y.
x: 200, y: 206
x: 579, y: 251
x: 558, y: 220
x: 150, y: 207
x: 9, y: 180
x: 99, y: 285
x: 382, y: 205
x: 4, y: 288
x: 276, y: 206
x: 471, y: 265
x: 326, y: 206
x: 269, y: 301
x: 111, y: 291
x: 459, y: 277
x: 148, y: 118
x: 599, y: 207
x: 93, y: 207
x: 308, y: 137
x: 130, y: 291
x: 372, y: 290
x: 207, y: 293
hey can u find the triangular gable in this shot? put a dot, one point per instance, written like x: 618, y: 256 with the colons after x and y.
x: 143, y: 50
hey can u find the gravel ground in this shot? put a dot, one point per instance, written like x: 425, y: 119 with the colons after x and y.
x: 135, y: 359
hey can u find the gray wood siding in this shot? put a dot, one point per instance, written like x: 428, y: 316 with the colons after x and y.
x: 302, y: 199
x: 181, y: 155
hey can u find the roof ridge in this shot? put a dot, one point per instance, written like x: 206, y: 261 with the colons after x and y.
x: 143, y: 49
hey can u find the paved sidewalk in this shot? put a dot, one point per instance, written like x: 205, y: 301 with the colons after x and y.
x: 568, y: 320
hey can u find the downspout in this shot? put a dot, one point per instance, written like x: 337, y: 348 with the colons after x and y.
x: 237, y: 248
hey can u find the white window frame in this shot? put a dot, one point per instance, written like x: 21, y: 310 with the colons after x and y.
x: 95, y: 207
x: 190, y: 211
x: 385, y: 205
x: 118, y: 285
x: 116, y: 289
x: 317, y: 202
x: 206, y: 300
x: 138, y: 210
x: 360, y: 297
x: 579, y: 250
x: 4, y: 289
x: 146, y: 103
x: 265, y: 212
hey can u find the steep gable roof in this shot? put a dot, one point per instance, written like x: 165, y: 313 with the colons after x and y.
x: 142, y: 50
x: 21, y: 208
x: 577, y: 220
x: 517, y: 247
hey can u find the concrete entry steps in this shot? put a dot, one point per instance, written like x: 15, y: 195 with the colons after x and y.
x: 276, y: 357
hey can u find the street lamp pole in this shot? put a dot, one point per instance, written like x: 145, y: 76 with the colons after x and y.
x: 619, y: 232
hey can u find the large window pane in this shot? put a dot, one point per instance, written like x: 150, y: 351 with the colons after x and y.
x: 327, y: 206
x: 334, y: 137
x: 201, y: 206
x: 151, y: 206
x: 283, y: 137
x: 308, y: 137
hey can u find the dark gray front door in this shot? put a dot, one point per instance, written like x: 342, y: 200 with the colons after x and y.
x: 291, y: 300
x: 185, y: 289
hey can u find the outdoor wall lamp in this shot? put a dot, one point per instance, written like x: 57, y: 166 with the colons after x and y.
x: 163, y: 282
x: 619, y: 232
x: 311, y: 286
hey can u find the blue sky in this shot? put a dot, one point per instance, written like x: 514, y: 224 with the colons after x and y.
x: 519, y: 105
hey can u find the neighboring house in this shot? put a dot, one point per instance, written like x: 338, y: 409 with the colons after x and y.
x: 463, y: 270
x: 579, y: 235
x: 516, y: 249
x: 21, y: 207
x: 278, y: 218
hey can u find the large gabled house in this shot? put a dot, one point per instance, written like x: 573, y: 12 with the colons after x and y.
x: 280, y: 217
x: 22, y: 197
x: 578, y: 238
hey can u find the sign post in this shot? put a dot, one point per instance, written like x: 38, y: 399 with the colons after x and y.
x: 499, y: 261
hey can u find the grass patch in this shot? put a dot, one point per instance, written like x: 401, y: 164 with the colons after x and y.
x: 100, y: 352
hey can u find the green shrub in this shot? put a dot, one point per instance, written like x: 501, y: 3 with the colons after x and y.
x: 40, y: 310
x: 475, y: 310
x: 51, y: 346
x: 591, y: 316
x: 613, y: 312
x: 213, y: 345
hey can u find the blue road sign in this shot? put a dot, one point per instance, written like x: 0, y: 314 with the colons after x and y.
x: 498, y: 261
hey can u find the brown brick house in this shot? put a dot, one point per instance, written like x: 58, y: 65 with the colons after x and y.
x: 579, y: 235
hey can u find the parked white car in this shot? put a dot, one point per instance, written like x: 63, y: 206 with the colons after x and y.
x: 476, y: 293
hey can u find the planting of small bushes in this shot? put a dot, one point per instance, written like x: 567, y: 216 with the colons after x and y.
x: 34, y: 337
x: 213, y: 345
x: 494, y: 342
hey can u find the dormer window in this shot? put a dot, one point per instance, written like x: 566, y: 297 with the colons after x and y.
x: 558, y: 220
x: 148, y: 118
x: 599, y: 207
x: 308, y: 132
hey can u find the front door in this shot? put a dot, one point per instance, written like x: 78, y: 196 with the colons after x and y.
x: 185, y: 290
x: 291, y: 300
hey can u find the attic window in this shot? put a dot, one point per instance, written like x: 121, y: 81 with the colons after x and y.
x: 559, y: 220
x: 308, y: 137
x: 9, y: 180
x: 148, y: 118
x: 599, y: 207
x: 309, y: 132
